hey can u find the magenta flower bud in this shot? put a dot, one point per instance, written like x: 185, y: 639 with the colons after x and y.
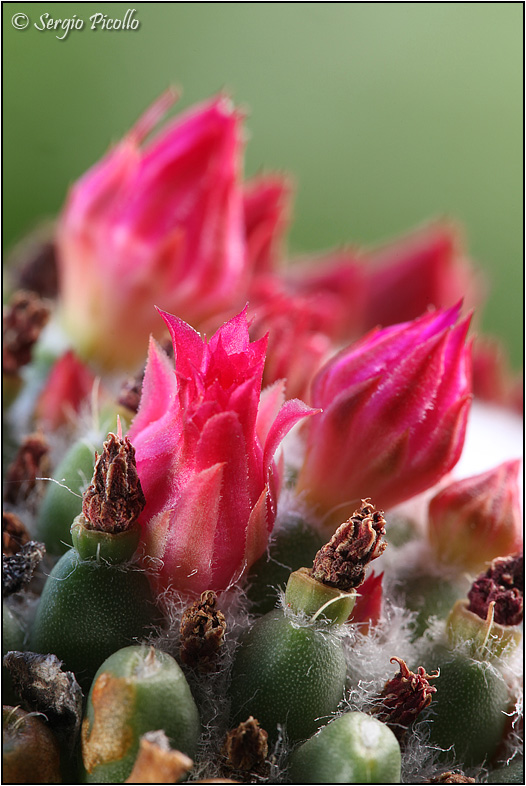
x: 428, y: 267
x: 395, y: 406
x: 474, y: 520
x: 205, y: 442
x: 162, y: 223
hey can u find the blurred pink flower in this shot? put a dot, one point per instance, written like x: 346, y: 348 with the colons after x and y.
x: 427, y: 267
x: 67, y: 388
x: 493, y: 379
x: 205, y: 445
x: 395, y: 407
x: 159, y: 224
x: 306, y: 309
x: 476, y: 519
x: 266, y: 213
x: 296, y: 345
x: 334, y: 283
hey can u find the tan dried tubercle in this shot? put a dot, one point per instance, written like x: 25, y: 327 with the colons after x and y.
x: 246, y: 746
x: 157, y: 762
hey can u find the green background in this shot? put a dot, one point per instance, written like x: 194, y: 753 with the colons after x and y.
x: 386, y: 113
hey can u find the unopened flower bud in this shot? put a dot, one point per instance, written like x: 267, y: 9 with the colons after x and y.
x: 476, y: 519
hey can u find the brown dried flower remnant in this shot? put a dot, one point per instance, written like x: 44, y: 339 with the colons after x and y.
x: 404, y: 697
x: 34, y: 263
x: 31, y: 462
x: 14, y: 534
x: 503, y: 585
x: 130, y: 392
x: 18, y: 569
x: 202, y: 630
x: 342, y: 561
x: 114, y: 500
x: 246, y: 746
x: 131, y: 389
x: 23, y: 320
x: 157, y: 762
x: 452, y: 777
x: 44, y: 687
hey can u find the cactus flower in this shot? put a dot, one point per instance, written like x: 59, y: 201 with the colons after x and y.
x: 205, y: 443
x: 494, y: 381
x: 476, y: 519
x: 428, y: 267
x: 296, y: 346
x: 266, y: 211
x: 334, y: 283
x: 160, y: 223
x: 67, y: 388
x: 395, y: 407
x: 305, y: 310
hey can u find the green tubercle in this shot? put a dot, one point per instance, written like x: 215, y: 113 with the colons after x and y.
x: 99, y: 545
x: 485, y: 638
x: 305, y: 594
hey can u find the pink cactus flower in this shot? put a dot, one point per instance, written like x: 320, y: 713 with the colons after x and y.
x: 296, y: 345
x: 266, y: 213
x: 493, y: 379
x: 68, y: 387
x: 335, y: 283
x: 476, y: 519
x: 395, y: 407
x: 306, y: 310
x: 205, y: 444
x: 427, y: 267
x: 161, y: 224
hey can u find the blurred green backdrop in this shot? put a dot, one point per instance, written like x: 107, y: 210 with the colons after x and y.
x: 386, y: 113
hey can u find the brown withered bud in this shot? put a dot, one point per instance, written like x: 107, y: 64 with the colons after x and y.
x: 31, y: 462
x: 44, y: 687
x: 131, y: 389
x: 342, y: 561
x: 157, y: 762
x: 32, y: 263
x: 18, y: 569
x: 202, y: 631
x: 14, y: 534
x: 114, y: 500
x: 503, y: 585
x: 130, y: 392
x: 23, y: 319
x: 452, y: 777
x: 246, y: 747
x: 404, y: 697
